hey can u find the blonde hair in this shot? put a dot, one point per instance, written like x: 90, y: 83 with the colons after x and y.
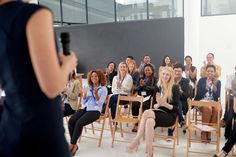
x: 168, y: 88
x: 119, y: 74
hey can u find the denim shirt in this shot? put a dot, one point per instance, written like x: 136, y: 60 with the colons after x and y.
x: 90, y: 102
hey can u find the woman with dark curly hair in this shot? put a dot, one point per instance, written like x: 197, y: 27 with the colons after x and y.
x: 93, y: 98
x: 166, y: 61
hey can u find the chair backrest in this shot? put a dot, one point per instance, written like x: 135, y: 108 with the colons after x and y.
x: 199, y: 104
x: 130, y: 99
x: 106, y: 103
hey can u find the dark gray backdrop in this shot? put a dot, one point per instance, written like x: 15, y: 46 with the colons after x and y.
x: 96, y: 45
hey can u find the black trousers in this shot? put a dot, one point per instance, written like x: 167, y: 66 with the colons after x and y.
x: 1, y: 105
x: 136, y: 106
x: 228, y: 117
x: 80, y: 119
x: 230, y: 142
x: 68, y: 110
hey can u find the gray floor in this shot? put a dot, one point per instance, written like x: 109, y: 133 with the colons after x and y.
x: 89, y: 147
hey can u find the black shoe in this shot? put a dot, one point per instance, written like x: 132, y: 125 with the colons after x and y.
x: 184, y: 128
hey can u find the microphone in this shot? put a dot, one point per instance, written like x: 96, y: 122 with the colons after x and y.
x: 65, y: 42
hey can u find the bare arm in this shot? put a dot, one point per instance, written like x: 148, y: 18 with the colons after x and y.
x: 50, y: 75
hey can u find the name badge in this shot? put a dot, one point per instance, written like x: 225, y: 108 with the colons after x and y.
x: 143, y: 93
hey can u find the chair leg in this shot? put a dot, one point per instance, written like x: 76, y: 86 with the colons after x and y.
x: 93, y: 128
x: 188, y: 142
x: 113, y: 136
x: 110, y: 123
x: 121, y: 131
x: 101, y: 134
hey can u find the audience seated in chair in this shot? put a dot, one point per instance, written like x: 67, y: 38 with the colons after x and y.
x: 110, y: 73
x: 167, y: 61
x: 190, y: 72
x: 146, y: 60
x: 164, y: 113
x: 93, y: 99
x: 208, y: 89
x: 121, y: 84
x: 70, y: 95
x: 128, y: 59
x: 145, y: 87
x: 210, y: 61
x: 184, y: 91
x: 133, y: 72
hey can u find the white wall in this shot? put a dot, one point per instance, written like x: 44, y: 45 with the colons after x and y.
x: 216, y: 34
x: 192, y: 12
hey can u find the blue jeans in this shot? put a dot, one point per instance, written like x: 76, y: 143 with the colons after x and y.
x: 113, y: 104
x: 180, y: 114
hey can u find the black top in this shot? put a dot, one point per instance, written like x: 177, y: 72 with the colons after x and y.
x: 149, y: 87
x: 31, y: 123
x: 184, y: 85
x: 110, y: 77
x: 174, y: 102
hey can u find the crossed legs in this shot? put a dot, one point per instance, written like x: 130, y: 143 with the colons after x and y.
x: 146, y: 128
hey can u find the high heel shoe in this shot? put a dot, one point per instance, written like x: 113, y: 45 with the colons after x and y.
x: 132, y: 146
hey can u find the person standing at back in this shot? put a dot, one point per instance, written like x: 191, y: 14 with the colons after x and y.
x: 210, y: 61
x: 32, y: 77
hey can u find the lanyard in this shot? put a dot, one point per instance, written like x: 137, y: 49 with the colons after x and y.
x: 122, y: 80
x: 91, y: 90
x: 210, y: 88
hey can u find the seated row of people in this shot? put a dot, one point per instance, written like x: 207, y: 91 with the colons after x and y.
x: 123, y: 83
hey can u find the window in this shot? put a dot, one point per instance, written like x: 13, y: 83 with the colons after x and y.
x: 218, y: 7
x: 54, y: 5
x: 131, y: 10
x: 74, y: 11
x: 165, y: 8
x: 100, y: 11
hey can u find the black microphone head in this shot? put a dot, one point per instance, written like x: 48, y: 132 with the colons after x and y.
x: 65, y: 37
x: 65, y: 41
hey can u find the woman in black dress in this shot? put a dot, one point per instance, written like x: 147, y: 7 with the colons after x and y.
x: 167, y: 98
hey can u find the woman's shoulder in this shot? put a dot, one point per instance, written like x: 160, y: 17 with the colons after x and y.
x: 104, y: 89
x: 202, y: 79
x: 128, y: 76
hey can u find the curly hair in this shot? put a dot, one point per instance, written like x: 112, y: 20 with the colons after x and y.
x: 101, y: 77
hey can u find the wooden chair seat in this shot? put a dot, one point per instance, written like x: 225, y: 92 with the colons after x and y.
x: 195, y: 125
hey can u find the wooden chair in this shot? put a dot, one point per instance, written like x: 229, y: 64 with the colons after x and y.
x: 101, y: 121
x: 121, y: 118
x: 164, y: 136
x: 198, y: 126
